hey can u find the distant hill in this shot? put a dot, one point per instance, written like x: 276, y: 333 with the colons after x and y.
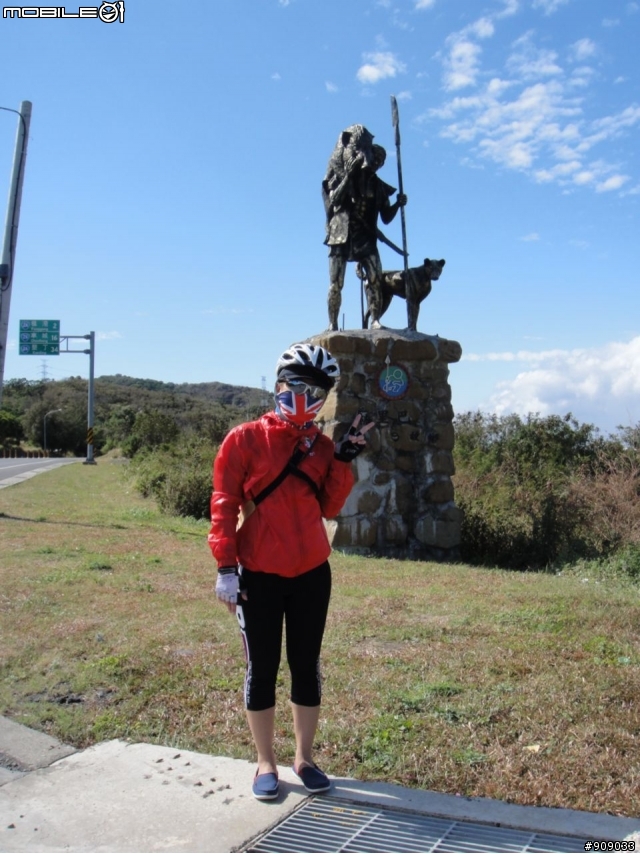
x: 203, y: 409
x: 230, y: 395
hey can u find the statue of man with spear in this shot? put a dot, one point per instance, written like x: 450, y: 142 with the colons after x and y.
x: 354, y: 197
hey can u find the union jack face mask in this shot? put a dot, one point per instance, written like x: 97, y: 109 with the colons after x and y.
x: 298, y: 409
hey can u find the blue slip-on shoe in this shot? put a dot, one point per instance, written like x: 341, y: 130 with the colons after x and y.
x: 265, y: 786
x: 313, y: 779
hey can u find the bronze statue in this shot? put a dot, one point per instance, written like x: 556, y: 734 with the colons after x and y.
x: 354, y: 196
x: 412, y: 284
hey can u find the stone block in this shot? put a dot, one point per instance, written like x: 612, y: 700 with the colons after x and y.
x: 403, y: 497
x: 394, y: 530
x: 404, y: 410
x: 449, y: 351
x: 374, y: 439
x: 406, y: 462
x: 385, y: 462
x: 406, y: 437
x: 439, y: 533
x: 417, y: 391
x: 364, y: 346
x: 380, y: 348
x: 336, y: 342
x: 358, y: 383
x: 341, y: 407
x: 369, y: 501
x: 417, y: 351
x: 438, y: 492
x: 345, y: 533
x: 364, y: 467
x: 440, y: 462
x: 446, y: 436
x: 442, y: 391
x: 334, y: 430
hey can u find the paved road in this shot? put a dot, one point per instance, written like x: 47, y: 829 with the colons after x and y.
x: 14, y: 471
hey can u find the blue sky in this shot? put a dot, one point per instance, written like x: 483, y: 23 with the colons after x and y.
x: 172, y: 193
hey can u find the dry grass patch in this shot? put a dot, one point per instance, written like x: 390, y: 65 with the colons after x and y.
x: 510, y: 685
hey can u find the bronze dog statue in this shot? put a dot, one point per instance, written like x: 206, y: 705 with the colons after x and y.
x: 414, y: 287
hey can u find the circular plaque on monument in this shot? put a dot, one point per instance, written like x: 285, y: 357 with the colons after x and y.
x: 393, y: 382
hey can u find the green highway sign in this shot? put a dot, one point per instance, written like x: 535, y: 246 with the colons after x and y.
x: 39, y: 337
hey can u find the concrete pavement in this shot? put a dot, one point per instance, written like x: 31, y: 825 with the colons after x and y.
x: 121, y: 797
x: 16, y: 470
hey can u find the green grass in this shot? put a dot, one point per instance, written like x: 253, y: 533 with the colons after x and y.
x: 479, y: 682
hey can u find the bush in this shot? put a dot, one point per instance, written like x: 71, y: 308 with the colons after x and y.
x: 543, y: 491
x: 179, y: 477
x: 151, y: 429
x: 11, y: 432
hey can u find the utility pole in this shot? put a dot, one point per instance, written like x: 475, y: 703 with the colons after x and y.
x: 91, y: 353
x: 90, y: 461
x: 7, y: 262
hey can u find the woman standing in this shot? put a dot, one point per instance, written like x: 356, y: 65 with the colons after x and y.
x: 273, y: 570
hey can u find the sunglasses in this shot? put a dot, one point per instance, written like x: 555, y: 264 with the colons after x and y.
x: 313, y: 390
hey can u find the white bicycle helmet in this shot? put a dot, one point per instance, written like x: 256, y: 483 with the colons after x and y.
x: 308, y: 362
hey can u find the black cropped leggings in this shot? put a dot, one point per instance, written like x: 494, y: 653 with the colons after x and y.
x: 302, y: 604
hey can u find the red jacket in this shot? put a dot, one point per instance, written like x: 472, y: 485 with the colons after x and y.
x: 285, y: 535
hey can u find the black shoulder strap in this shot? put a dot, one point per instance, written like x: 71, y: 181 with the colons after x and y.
x: 291, y: 468
x: 304, y: 476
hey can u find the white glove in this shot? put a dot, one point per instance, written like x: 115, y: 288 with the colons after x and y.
x: 227, y: 584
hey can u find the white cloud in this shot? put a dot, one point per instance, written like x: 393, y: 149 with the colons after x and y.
x: 612, y: 183
x: 462, y: 65
x: 425, y: 4
x: 549, y: 6
x: 107, y: 336
x: 330, y: 87
x: 583, y: 49
x: 611, y: 22
x: 601, y: 384
x: 404, y: 96
x: 530, y: 62
x: 462, y: 62
x: 378, y: 66
x: 518, y: 356
x: 531, y: 238
x: 533, y: 117
x: 276, y: 76
x: 483, y: 28
x: 511, y: 7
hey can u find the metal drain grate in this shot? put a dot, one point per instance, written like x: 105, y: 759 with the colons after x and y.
x: 331, y: 824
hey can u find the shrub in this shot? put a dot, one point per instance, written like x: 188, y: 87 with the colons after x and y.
x: 542, y: 491
x: 178, y: 477
x: 151, y: 429
x: 11, y: 432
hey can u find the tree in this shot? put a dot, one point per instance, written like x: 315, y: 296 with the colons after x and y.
x: 151, y: 429
x: 11, y: 432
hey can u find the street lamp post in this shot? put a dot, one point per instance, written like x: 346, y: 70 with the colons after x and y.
x: 45, y: 426
x: 8, y: 257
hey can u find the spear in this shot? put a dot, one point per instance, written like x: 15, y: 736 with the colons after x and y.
x: 395, y: 119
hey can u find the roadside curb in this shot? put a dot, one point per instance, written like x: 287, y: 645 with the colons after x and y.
x: 23, y: 749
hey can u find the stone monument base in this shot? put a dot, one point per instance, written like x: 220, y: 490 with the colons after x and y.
x: 402, y: 504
